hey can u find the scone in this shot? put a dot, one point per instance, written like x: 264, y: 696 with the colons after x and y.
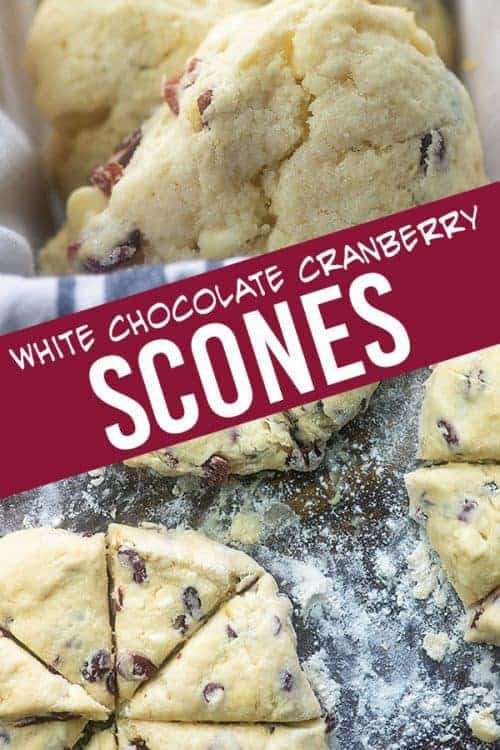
x: 153, y: 736
x: 28, y: 689
x: 54, y: 600
x: 460, y: 507
x: 98, y: 67
x: 460, y: 419
x: 242, y: 666
x: 49, y: 735
x: 165, y: 585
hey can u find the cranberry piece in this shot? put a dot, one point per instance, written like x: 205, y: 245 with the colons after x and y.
x: 192, y: 602
x: 448, y: 432
x: 286, y: 681
x: 136, y: 668
x: 216, y: 471
x: 73, y: 250
x: 170, y: 92
x: 204, y: 101
x: 98, y: 667
x: 135, y: 562
x: 111, y: 683
x: 117, y: 256
x: 181, y: 624
x: 118, y: 599
x: 127, y: 148
x: 477, y: 616
x: 105, y: 178
x: 432, y: 149
x: 213, y: 692
x: 231, y: 632
x: 468, y: 508
x: 277, y: 625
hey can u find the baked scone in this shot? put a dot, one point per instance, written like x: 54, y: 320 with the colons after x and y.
x: 98, y: 67
x: 307, y: 736
x: 54, y: 600
x: 484, y: 621
x: 105, y: 740
x: 242, y: 666
x: 47, y: 735
x: 165, y: 585
x: 460, y: 507
x: 293, y: 120
x: 28, y: 689
x: 460, y: 419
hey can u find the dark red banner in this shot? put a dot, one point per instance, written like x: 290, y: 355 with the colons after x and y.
x: 249, y: 340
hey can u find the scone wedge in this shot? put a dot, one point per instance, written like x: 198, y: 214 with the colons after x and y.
x: 54, y: 601
x: 307, y: 736
x: 48, y: 735
x: 28, y: 689
x: 165, y: 586
x: 242, y: 666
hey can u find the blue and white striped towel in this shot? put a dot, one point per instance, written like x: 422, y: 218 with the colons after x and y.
x: 27, y: 301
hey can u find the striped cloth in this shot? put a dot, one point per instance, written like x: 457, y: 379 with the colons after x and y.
x: 28, y: 301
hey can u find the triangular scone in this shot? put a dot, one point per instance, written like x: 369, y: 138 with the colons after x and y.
x: 460, y: 419
x: 47, y: 735
x: 154, y: 736
x: 165, y: 584
x: 242, y: 666
x: 54, y: 600
x: 105, y: 740
x: 484, y: 621
x: 460, y: 507
x: 28, y: 689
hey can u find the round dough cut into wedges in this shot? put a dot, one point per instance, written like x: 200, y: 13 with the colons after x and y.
x: 54, y: 600
x: 293, y: 120
x: 47, y: 735
x: 103, y: 741
x: 307, y: 736
x: 460, y: 418
x: 460, y: 507
x: 484, y: 621
x: 165, y: 586
x: 98, y: 68
x: 28, y: 689
x: 242, y: 666
x: 293, y: 440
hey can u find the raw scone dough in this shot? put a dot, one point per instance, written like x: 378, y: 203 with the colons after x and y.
x: 307, y: 736
x: 165, y: 586
x: 293, y: 440
x: 242, y: 666
x: 28, y: 689
x: 54, y: 600
x: 48, y: 735
x: 460, y: 418
x: 98, y: 68
x: 103, y: 741
x: 460, y: 506
x: 484, y: 621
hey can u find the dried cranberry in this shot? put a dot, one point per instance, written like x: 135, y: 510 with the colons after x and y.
x: 111, y: 683
x: 136, y: 668
x: 98, y: 667
x: 204, y: 101
x: 277, y: 626
x: 468, y: 508
x: 117, y: 256
x: 170, y: 92
x: 432, y: 149
x: 286, y: 681
x: 213, y: 692
x: 118, y: 598
x: 448, y: 432
x: 231, y: 632
x: 126, y: 149
x: 135, y: 562
x: 181, y: 624
x: 106, y: 177
x: 216, y: 470
x: 192, y: 602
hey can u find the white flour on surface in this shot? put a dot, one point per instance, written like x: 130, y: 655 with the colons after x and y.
x: 366, y: 588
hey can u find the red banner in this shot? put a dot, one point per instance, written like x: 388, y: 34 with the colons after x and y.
x: 249, y: 340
